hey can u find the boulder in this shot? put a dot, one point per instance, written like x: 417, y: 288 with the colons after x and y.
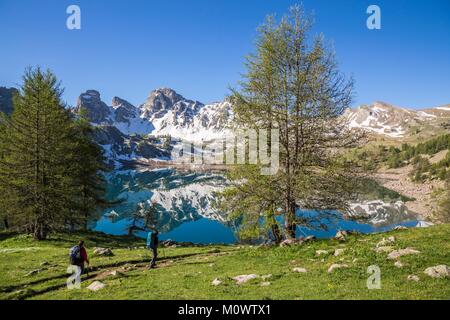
x: 300, y: 270
x: 96, y: 285
x: 244, y: 278
x: 402, y: 252
x: 398, y: 228
x: 107, y: 252
x: 216, y: 282
x: 441, y: 271
x: 336, y: 266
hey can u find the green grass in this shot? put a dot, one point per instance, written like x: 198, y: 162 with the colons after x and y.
x: 187, y: 273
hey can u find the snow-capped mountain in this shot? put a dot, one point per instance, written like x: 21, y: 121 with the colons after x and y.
x: 128, y: 132
x: 173, y: 115
x: 387, y: 120
x: 165, y: 112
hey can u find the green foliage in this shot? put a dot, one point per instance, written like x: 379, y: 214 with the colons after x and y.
x: 392, y: 157
x: 49, y: 166
x: 292, y: 83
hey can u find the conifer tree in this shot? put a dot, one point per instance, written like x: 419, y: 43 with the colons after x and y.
x: 86, y: 166
x: 50, y: 168
x: 292, y: 83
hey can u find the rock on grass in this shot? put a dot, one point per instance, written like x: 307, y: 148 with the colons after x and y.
x: 244, y: 278
x: 103, y: 252
x: 96, y: 285
x: 338, y: 252
x: 402, y: 252
x: 441, y: 271
x: 413, y: 277
x: 336, y: 266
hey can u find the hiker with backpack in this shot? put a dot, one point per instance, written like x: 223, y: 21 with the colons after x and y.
x: 78, y: 256
x: 152, y: 243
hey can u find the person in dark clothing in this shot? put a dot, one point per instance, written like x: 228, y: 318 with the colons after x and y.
x: 152, y: 243
x: 78, y: 256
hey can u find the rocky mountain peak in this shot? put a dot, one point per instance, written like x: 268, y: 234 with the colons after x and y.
x: 163, y: 100
x: 123, y: 110
x: 98, y: 111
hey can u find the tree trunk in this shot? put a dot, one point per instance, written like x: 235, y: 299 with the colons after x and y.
x: 5, y: 222
x: 290, y: 224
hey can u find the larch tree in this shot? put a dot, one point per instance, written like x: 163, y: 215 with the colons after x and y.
x: 292, y: 84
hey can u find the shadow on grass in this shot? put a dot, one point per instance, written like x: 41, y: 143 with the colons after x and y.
x: 94, y: 272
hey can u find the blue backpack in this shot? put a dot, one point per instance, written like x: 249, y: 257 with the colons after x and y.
x: 75, y: 255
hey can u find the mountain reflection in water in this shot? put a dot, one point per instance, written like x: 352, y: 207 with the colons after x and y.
x: 185, y: 211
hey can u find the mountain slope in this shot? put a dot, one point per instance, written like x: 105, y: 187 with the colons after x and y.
x: 383, y: 119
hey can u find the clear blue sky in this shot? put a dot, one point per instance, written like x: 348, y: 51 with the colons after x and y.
x: 197, y: 47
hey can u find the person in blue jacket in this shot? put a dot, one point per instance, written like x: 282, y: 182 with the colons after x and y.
x: 152, y: 243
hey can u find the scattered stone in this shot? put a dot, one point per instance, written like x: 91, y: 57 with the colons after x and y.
x: 115, y: 273
x: 441, y: 271
x: 267, y: 276
x: 397, y: 228
x: 413, y: 277
x: 386, y: 242
x: 244, y: 278
x: 107, y: 252
x: 338, y: 252
x: 168, y: 243
x: 96, y: 285
x: 216, y: 282
x: 402, y: 252
x: 385, y: 249
x: 33, y: 272
x: 341, y: 235
x: 265, y: 284
x: 309, y: 238
x: 300, y: 270
x: 287, y: 242
x: 336, y: 266
x: 321, y: 252
x: 398, y: 264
